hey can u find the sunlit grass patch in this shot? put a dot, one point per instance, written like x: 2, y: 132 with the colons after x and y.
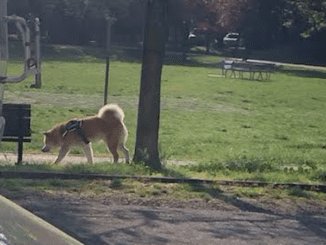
x: 234, y: 128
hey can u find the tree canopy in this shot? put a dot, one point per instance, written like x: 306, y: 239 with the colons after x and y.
x: 78, y: 21
x: 311, y: 12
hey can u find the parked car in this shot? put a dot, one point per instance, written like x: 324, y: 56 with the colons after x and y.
x: 192, y: 38
x: 231, y: 39
x: 196, y: 39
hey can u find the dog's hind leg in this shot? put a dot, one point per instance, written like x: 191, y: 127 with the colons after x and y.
x: 88, y: 150
x: 64, y: 150
x: 125, y: 152
x: 113, y: 150
x: 115, y: 154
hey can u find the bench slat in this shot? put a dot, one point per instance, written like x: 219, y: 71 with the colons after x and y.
x: 15, y: 139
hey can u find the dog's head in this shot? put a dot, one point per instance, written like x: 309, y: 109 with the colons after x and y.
x: 49, y: 141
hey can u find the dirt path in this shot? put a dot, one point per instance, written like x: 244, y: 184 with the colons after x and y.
x: 48, y: 158
x: 7, y: 157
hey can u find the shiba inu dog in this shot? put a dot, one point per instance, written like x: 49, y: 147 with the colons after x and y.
x: 106, y: 126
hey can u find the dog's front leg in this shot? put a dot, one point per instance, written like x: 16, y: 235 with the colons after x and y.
x: 62, y: 153
x: 88, y: 150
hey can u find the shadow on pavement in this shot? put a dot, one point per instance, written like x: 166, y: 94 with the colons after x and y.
x: 105, y: 221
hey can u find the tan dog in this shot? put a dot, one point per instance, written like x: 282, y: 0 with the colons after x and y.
x: 107, y: 126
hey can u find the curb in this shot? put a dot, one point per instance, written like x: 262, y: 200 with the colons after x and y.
x: 23, y: 227
x: 71, y: 176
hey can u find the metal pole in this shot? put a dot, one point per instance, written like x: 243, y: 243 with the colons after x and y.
x: 106, y: 83
x: 37, y: 51
x: 3, y: 57
x: 108, y: 40
x: 109, y: 21
x: 24, y: 30
x: 3, y: 37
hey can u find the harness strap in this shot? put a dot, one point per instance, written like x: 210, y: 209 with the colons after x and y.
x: 75, y: 126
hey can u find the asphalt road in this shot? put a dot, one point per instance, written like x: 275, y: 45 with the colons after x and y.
x: 100, y: 222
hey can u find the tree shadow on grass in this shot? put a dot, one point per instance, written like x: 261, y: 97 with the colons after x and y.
x: 214, y: 192
x: 304, y: 73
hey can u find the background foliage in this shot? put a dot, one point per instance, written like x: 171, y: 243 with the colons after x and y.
x: 262, y: 22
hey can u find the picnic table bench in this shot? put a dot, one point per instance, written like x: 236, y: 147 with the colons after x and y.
x: 258, y: 71
x: 18, y: 125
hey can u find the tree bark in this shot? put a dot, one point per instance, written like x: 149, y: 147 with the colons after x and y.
x: 146, y: 149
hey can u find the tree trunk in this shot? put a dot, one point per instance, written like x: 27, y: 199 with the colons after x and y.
x: 146, y: 149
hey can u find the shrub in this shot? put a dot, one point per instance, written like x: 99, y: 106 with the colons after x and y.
x: 320, y: 176
x: 209, y: 167
x: 246, y: 165
x: 297, y: 191
x: 116, y: 183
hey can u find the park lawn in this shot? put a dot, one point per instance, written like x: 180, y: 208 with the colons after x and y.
x: 208, y: 119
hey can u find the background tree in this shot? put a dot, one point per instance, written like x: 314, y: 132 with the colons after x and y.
x: 311, y: 12
x: 215, y: 18
x: 262, y: 23
x: 79, y: 21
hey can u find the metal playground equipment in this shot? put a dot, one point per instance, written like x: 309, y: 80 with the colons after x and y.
x: 31, y: 49
x: 31, y: 53
x: 17, y: 224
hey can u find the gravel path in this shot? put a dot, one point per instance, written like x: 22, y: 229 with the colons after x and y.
x: 7, y: 157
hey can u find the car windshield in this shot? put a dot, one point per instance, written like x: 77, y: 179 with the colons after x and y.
x: 233, y: 36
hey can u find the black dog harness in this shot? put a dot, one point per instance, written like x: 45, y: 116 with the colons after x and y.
x: 75, y: 127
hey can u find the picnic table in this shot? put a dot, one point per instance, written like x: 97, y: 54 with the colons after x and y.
x: 256, y: 70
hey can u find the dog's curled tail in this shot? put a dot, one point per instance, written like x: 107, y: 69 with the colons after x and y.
x: 111, y: 112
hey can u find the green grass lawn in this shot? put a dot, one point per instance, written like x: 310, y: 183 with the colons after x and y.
x: 212, y: 120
